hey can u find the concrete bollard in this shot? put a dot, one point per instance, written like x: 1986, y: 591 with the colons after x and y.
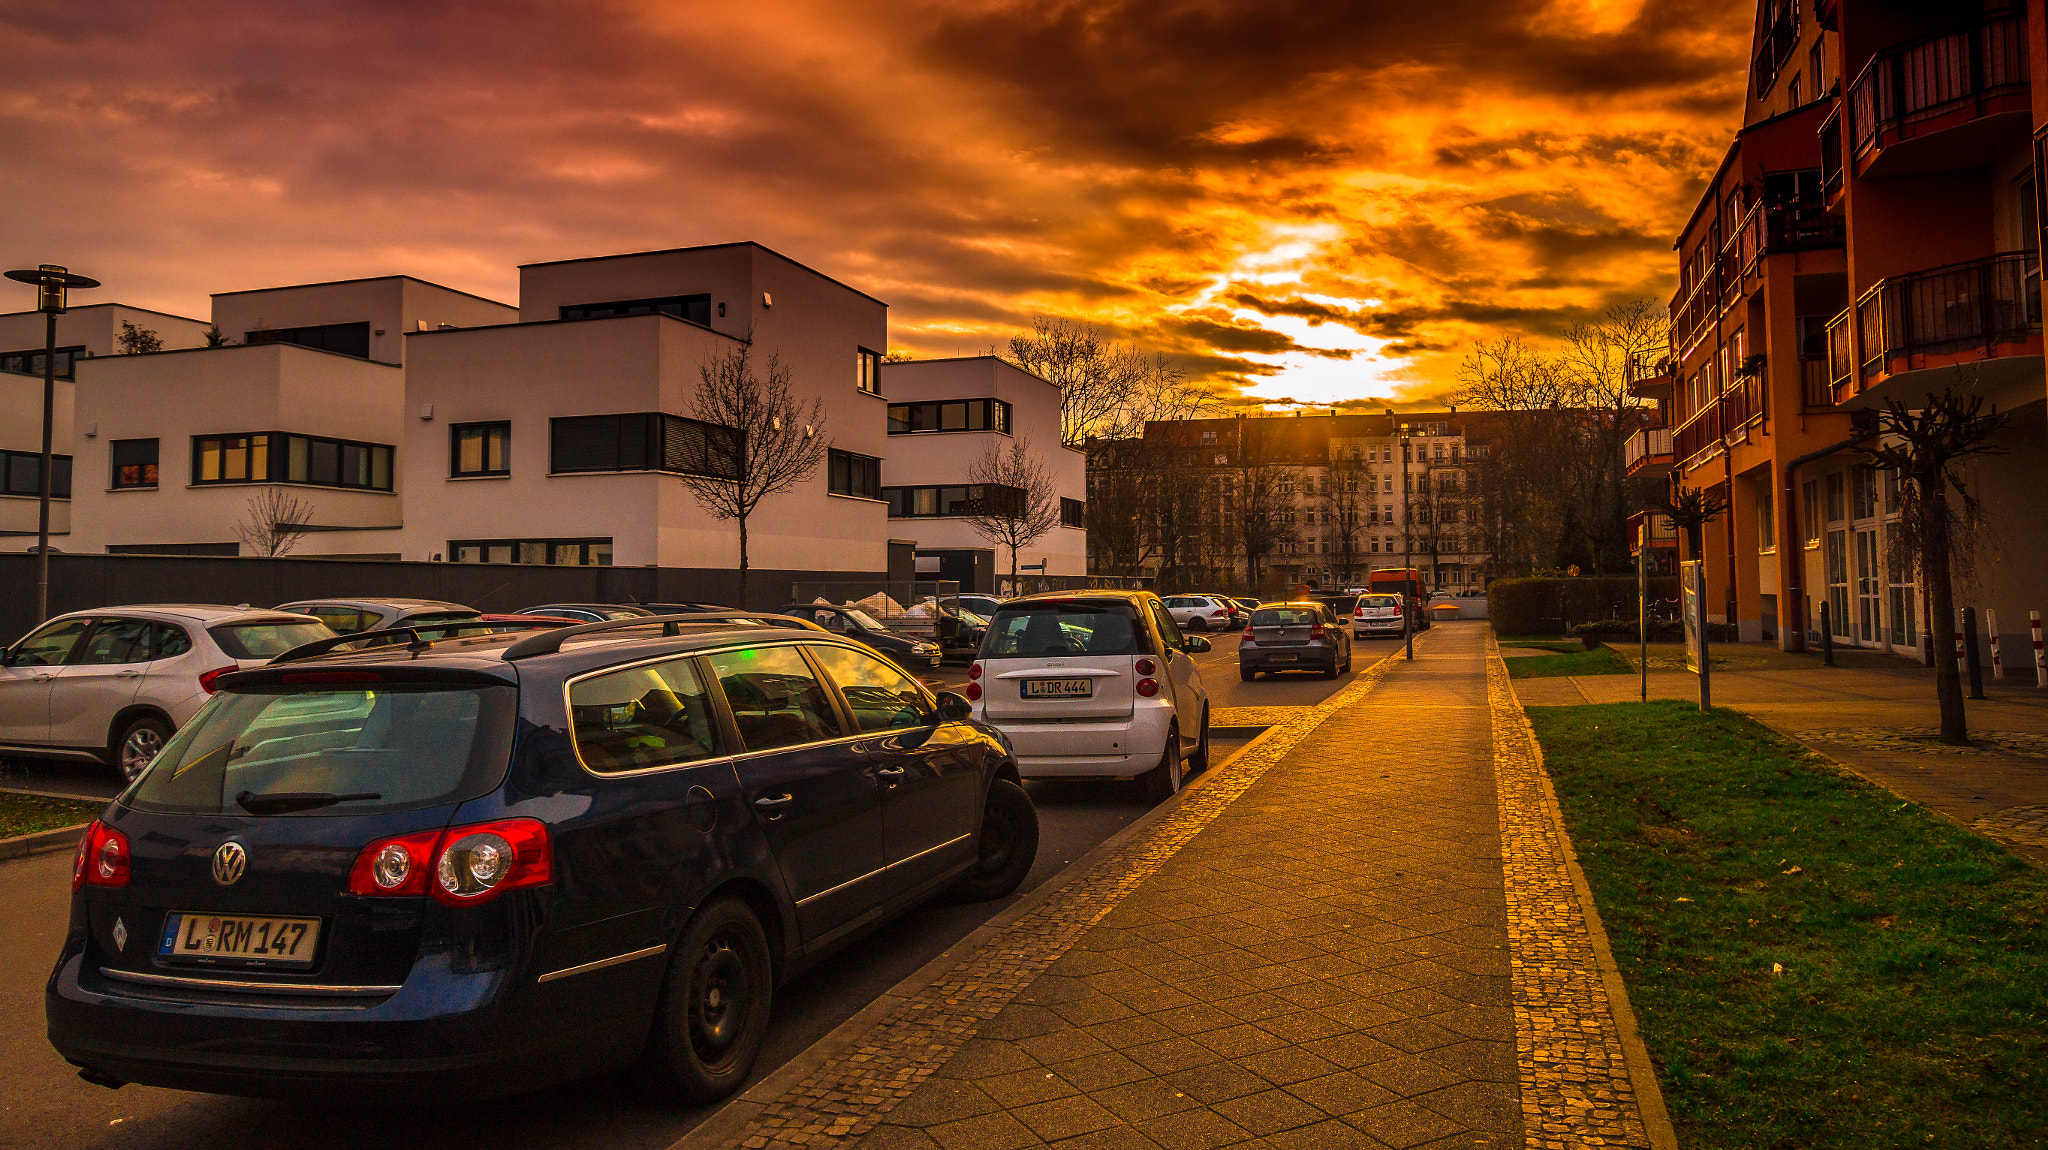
x: 1997, y: 658
x: 2040, y: 656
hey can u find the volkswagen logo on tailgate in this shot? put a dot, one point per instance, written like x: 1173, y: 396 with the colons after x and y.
x: 229, y: 862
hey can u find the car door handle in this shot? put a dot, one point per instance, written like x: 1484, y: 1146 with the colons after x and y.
x: 890, y: 772
x: 127, y: 674
x: 771, y: 805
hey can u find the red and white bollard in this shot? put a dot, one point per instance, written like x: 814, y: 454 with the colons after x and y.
x: 1991, y: 625
x: 2040, y: 656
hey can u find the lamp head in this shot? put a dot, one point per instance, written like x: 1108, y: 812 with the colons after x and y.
x: 52, y: 281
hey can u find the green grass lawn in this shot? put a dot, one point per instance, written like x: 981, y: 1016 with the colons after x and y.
x: 1598, y: 661
x: 1815, y: 962
x: 26, y: 814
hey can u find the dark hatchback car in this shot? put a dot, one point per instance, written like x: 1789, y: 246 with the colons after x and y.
x: 1298, y: 636
x: 488, y: 863
x: 854, y: 623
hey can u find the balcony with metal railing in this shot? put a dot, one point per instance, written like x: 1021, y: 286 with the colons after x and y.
x: 1647, y: 453
x: 1652, y: 527
x: 1965, y: 86
x: 1722, y: 422
x: 1988, y: 308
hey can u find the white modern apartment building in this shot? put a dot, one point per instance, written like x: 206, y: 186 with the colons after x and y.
x: 947, y: 415
x: 561, y: 438
x: 88, y: 331
x: 406, y: 420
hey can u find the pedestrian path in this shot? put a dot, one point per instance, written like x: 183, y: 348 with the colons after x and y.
x: 1320, y: 947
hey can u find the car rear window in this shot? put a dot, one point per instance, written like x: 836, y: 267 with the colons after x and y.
x: 266, y: 640
x: 410, y: 744
x: 1381, y: 602
x: 424, y: 618
x: 1027, y: 630
x: 1285, y: 617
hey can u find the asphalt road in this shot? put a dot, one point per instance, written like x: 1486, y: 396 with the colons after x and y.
x: 45, y: 1104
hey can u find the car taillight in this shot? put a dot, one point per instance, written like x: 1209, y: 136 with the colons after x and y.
x: 210, y: 680
x: 460, y: 866
x: 1144, y: 666
x: 973, y: 692
x: 1247, y: 632
x: 1148, y: 687
x: 1316, y: 632
x: 394, y: 866
x: 102, y: 858
x: 974, y: 671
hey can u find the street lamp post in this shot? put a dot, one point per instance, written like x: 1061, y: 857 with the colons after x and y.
x: 1407, y: 561
x: 52, y: 281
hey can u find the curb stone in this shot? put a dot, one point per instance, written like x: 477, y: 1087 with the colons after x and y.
x: 1568, y: 1052
x: 21, y: 846
x: 850, y: 1090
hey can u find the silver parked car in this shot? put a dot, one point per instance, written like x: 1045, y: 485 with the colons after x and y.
x: 347, y: 616
x: 113, y: 684
x: 1294, y: 637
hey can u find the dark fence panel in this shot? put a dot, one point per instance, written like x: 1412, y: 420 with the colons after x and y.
x: 83, y: 582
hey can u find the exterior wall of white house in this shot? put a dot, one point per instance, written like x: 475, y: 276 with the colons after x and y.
x: 392, y: 305
x: 547, y: 367
x: 174, y: 396
x: 94, y: 327
x: 946, y: 458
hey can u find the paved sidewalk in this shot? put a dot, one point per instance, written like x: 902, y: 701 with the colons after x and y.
x: 1312, y: 950
x: 1877, y: 716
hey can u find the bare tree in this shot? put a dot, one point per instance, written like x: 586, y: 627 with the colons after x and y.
x: 1098, y: 378
x: 1925, y: 447
x: 137, y: 340
x: 1347, y: 508
x: 1690, y: 509
x: 1018, y: 503
x: 275, y: 522
x: 1264, y: 502
x: 763, y: 442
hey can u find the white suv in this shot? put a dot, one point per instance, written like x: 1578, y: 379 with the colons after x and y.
x: 1094, y: 684
x: 1202, y: 612
x: 113, y: 684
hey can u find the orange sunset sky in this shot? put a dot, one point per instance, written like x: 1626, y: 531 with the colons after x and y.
x: 1297, y: 199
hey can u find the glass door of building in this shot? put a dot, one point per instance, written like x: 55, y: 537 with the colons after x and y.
x: 1869, y: 588
x: 1835, y: 552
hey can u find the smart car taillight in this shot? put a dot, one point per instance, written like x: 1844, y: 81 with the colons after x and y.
x: 210, y: 681
x: 394, y: 866
x: 973, y: 692
x: 102, y: 858
x: 974, y: 671
x: 479, y: 862
x: 1144, y: 667
x: 1148, y: 687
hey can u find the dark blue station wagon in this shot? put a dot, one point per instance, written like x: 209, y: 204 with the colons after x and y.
x: 490, y: 863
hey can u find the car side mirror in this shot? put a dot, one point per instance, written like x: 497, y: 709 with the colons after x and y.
x: 7, y: 657
x: 954, y: 708
x: 1194, y: 644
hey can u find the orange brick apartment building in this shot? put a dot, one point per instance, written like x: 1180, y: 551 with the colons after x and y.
x: 1873, y: 232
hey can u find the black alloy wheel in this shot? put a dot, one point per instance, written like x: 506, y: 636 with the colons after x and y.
x: 140, y: 741
x: 1196, y: 623
x: 714, y: 1007
x: 1007, y: 846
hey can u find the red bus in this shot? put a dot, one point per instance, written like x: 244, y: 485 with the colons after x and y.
x: 1407, y: 583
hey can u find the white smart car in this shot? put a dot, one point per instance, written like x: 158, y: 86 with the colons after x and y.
x: 1094, y: 684
x: 115, y: 683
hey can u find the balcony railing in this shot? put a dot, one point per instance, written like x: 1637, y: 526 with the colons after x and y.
x: 1982, y: 303
x: 1841, y: 350
x: 1831, y: 154
x: 1661, y: 532
x: 1816, y: 388
x: 1903, y: 93
x: 1649, y: 443
x: 1725, y: 419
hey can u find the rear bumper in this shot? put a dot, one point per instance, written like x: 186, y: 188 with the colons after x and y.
x: 1287, y: 659
x: 1120, y: 748
x: 441, y: 1034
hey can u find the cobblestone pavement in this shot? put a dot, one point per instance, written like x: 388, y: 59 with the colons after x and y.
x: 1310, y: 950
x: 1576, y: 1089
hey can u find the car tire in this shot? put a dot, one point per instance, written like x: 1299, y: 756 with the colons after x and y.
x: 1247, y: 674
x: 1163, y: 781
x: 1199, y: 761
x: 713, y: 1009
x: 1196, y: 623
x: 140, y: 740
x: 1006, y: 847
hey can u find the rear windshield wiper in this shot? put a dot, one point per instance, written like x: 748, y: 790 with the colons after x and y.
x: 285, y: 802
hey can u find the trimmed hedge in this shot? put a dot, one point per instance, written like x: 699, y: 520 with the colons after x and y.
x: 1555, y: 606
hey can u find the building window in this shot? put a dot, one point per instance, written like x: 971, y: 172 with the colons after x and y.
x: 134, y: 463
x: 550, y: 552
x: 1766, y: 518
x: 949, y: 415
x: 1208, y: 437
x: 22, y: 472
x: 939, y: 502
x: 1863, y: 490
x: 1809, y: 513
x: 277, y: 457
x: 641, y: 441
x: 343, y: 338
x: 1831, y: 486
x: 851, y: 474
x: 1073, y: 513
x: 695, y: 308
x: 480, y: 449
x: 868, y: 371
x: 31, y: 362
